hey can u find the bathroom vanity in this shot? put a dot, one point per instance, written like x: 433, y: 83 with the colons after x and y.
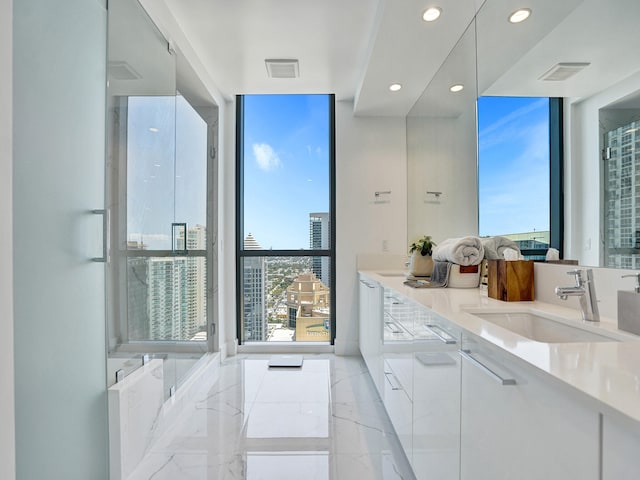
x: 481, y: 389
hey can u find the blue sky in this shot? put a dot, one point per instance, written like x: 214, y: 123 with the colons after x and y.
x: 513, y: 144
x: 286, y: 167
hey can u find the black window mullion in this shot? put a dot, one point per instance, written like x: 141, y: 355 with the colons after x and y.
x: 556, y: 159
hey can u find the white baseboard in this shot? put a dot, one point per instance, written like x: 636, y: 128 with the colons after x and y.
x: 346, y: 347
x: 285, y: 347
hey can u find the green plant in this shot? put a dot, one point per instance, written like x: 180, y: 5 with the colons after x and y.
x: 423, y: 245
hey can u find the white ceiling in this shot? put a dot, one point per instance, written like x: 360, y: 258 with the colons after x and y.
x: 356, y: 48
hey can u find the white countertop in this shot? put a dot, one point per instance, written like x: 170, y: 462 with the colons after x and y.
x: 608, y: 372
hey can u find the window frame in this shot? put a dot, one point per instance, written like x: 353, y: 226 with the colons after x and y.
x: 241, y: 253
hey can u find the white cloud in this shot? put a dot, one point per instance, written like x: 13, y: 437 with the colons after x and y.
x: 266, y: 158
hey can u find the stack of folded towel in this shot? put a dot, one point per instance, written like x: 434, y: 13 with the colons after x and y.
x: 461, y: 251
x: 461, y: 257
x: 494, y: 247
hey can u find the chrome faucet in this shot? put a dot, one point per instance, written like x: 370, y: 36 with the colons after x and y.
x: 586, y: 290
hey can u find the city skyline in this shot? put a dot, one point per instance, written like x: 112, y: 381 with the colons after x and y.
x: 167, y: 295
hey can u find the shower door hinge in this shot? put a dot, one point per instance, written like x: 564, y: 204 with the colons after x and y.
x: 213, y: 329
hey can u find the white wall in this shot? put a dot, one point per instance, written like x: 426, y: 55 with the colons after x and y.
x: 583, y: 189
x: 59, y: 51
x: 370, y: 157
x: 7, y: 432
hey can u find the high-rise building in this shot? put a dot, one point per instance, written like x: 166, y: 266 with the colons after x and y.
x: 175, y: 292
x: 309, y: 308
x: 196, y: 282
x: 622, y: 222
x: 167, y: 294
x: 319, y: 239
x: 137, y: 293
x: 254, y: 314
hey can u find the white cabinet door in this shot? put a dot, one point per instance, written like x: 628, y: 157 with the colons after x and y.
x: 517, y: 425
x: 436, y: 397
x: 370, y: 322
x: 620, y: 449
x: 397, y: 352
x: 399, y: 408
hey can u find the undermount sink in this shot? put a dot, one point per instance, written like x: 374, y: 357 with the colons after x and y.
x: 541, y: 329
x: 392, y: 274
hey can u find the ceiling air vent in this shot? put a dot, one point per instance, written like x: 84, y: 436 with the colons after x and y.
x: 282, y: 68
x: 122, y: 71
x: 562, y: 71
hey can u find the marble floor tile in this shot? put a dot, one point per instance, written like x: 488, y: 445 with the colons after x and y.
x: 323, y: 421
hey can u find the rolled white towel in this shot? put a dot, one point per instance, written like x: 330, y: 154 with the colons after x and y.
x: 463, y: 251
x: 494, y: 247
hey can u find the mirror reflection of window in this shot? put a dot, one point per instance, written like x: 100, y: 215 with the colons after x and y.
x: 514, y: 171
x: 622, y: 175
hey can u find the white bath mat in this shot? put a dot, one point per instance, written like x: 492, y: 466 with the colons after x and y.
x: 286, y: 361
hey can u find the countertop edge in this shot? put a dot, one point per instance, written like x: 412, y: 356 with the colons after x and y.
x: 608, y: 372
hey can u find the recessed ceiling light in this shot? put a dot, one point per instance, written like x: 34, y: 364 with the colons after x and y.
x: 520, y: 15
x: 153, y: 129
x: 431, y: 14
x: 394, y: 87
x: 456, y: 88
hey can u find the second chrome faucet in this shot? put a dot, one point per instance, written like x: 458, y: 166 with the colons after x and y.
x: 586, y: 290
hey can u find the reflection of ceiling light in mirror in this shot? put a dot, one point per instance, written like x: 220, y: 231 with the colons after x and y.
x: 394, y: 87
x: 431, y: 14
x: 520, y: 15
x: 631, y: 130
x: 456, y: 88
x: 153, y: 129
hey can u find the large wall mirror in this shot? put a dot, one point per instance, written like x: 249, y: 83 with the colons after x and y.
x: 581, y: 51
x: 441, y: 144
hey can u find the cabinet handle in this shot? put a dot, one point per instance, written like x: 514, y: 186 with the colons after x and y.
x: 395, y: 384
x: 502, y: 381
x: 432, y: 328
x: 105, y: 234
x: 394, y: 327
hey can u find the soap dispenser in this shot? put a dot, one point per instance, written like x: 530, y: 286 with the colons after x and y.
x: 629, y: 307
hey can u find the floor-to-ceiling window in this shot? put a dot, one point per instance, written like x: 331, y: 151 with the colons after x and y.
x: 285, y: 228
x: 519, y: 171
